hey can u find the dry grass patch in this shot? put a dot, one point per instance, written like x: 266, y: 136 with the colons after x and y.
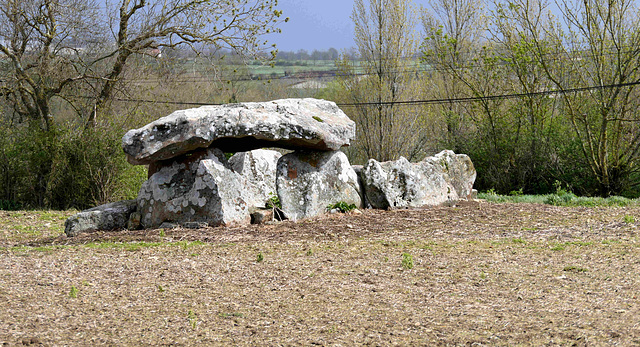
x: 477, y: 273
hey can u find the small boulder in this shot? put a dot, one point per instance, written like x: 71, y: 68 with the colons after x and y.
x: 197, y: 188
x: 289, y: 123
x: 111, y: 216
x: 134, y: 221
x: 261, y: 216
x: 309, y: 181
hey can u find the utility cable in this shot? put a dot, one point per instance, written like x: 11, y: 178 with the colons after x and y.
x: 422, y: 102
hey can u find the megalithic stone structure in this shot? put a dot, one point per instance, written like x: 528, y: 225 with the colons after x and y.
x: 191, y: 181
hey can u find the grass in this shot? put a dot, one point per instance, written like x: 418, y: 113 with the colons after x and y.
x: 127, y: 246
x: 407, y: 261
x: 19, y: 226
x: 73, y: 293
x: 135, y: 246
x: 562, y: 199
x: 573, y: 268
x: 193, y: 319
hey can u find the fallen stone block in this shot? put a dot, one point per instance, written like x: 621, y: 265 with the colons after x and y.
x: 398, y: 184
x: 461, y: 173
x: 111, y: 216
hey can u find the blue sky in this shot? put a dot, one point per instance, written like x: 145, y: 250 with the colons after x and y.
x: 315, y: 24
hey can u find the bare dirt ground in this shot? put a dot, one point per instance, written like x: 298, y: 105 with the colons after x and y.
x: 476, y: 274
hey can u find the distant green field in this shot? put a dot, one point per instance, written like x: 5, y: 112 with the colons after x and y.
x: 298, y: 67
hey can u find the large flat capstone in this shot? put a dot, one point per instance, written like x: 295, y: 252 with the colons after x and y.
x: 289, y: 123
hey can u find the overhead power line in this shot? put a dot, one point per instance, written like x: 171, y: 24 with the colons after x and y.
x: 490, y: 97
x: 420, y: 102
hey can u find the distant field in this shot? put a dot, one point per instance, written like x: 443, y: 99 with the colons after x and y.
x: 299, y: 67
x: 477, y: 274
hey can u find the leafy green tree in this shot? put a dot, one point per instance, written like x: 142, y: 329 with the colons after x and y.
x: 596, y: 45
x: 452, y: 37
x: 62, y: 58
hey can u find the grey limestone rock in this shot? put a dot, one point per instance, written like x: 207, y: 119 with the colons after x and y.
x: 309, y: 181
x: 289, y: 123
x: 442, y: 179
x: 258, y: 167
x: 105, y: 217
x: 198, y: 188
x: 459, y: 169
x: 399, y: 183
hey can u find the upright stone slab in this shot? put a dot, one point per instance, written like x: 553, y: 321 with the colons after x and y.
x: 199, y: 187
x: 258, y: 167
x: 461, y: 173
x: 309, y: 181
x: 399, y: 183
x: 290, y: 123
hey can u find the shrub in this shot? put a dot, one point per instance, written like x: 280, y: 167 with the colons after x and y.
x: 342, y: 207
x: 65, y: 166
x: 273, y: 202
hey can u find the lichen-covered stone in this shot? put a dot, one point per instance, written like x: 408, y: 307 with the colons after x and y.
x: 399, y: 183
x: 197, y: 188
x: 258, y: 167
x: 459, y: 169
x: 309, y: 181
x: 290, y: 123
x: 111, y: 216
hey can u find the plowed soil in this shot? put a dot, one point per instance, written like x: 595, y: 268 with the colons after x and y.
x: 474, y: 274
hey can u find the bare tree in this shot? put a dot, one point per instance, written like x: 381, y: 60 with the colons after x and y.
x: 453, y: 35
x: 385, y: 74
x: 77, y: 50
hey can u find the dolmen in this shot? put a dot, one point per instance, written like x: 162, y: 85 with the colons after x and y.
x: 208, y: 166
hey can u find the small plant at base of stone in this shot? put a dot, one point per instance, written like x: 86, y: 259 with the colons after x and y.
x: 273, y: 202
x: 407, y: 261
x: 259, y: 258
x: 342, y: 207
